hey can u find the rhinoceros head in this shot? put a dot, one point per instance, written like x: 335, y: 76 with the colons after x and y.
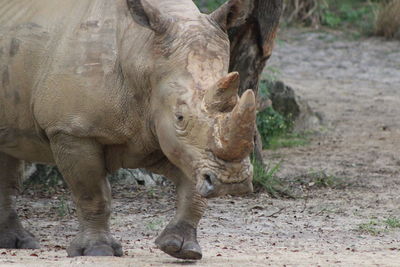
x: 202, y: 125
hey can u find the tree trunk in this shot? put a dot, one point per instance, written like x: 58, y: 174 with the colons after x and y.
x: 251, y: 47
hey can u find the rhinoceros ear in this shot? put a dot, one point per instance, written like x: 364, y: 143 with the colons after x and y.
x: 148, y: 16
x: 232, y: 13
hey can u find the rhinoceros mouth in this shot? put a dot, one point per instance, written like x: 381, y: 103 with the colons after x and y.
x: 209, y: 186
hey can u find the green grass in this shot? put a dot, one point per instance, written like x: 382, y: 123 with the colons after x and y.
x: 63, y: 207
x: 154, y: 225
x: 266, y: 180
x: 287, y: 140
x: 371, y: 228
x: 392, y: 222
x: 322, y: 179
x: 376, y: 227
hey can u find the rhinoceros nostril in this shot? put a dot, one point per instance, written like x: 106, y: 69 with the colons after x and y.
x: 209, y: 181
x: 207, y: 178
x: 208, y: 184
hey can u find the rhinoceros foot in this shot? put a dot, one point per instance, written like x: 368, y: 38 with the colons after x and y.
x: 13, y: 235
x: 180, y: 241
x: 94, y: 245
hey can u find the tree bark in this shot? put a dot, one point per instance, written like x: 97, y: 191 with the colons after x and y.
x: 251, y: 47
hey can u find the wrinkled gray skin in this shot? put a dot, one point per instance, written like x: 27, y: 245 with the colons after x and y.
x: 97, y: 85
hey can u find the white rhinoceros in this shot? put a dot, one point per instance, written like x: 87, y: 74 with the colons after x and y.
x: 97, y: 85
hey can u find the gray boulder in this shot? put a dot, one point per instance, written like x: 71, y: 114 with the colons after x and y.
x: 288, y: 103
x: 137, y: 177
x: 50, y: 176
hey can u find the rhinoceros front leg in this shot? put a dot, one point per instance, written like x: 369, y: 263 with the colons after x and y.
x: 81, y: 162
x: 12, y: 234
x: 179, y: 238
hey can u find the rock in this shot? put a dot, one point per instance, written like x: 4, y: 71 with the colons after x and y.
x: 397, y: 34
x: 43, y: 174
x: 263, y: 103
x: 286, y: 102
x: 50, y: 175
x: 137, y: 176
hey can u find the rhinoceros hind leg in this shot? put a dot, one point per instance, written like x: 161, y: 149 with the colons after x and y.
x: 12, y: 234
x: 180, y: 241
x: 100, y: 245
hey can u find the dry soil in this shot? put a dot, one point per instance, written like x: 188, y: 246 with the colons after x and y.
x: 355, y: 85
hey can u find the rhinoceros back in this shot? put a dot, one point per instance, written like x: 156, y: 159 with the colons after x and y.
x: 48, y: 45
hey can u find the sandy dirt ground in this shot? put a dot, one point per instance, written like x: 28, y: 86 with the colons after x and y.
x: 355, y: 85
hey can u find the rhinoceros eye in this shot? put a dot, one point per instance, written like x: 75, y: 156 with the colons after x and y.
x: 179, y: 117
x: 181, y: 123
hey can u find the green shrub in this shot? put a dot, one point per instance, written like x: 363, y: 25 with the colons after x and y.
x: 208, y: 6
x: 331, y: 19
x: 358, y: 15
x: 271, y: 124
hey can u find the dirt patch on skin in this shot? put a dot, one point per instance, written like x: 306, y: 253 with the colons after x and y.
x: 355, y: 84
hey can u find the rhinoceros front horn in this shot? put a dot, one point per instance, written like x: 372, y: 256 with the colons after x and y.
x: 234, y: 132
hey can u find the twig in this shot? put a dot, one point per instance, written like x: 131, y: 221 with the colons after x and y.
x: 279, y: 211
x: 160, y: 212
x: 168, y: 210
x: 305, y: 204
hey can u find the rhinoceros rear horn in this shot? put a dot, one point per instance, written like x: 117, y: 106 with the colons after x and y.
x: 224, y: 95
x: 234, y: 134
x: 149, y: 16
